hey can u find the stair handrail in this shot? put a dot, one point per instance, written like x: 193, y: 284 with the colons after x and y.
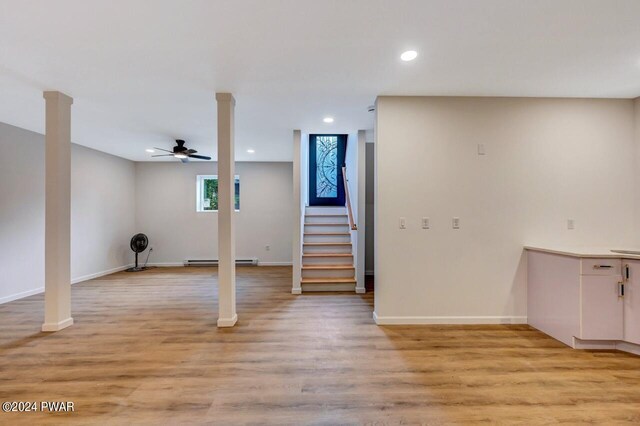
x: 352, y: 223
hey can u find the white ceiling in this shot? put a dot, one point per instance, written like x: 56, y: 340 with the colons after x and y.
x: 143, y: 73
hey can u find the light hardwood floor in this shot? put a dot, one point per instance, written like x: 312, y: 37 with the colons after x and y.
x: 145, y: 350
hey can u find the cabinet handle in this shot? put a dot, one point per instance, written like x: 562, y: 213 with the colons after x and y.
x: 602, y: 266
x: 620, y: 289
x: 627, y: 272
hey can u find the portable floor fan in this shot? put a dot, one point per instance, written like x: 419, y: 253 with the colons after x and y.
x: 138, y: 244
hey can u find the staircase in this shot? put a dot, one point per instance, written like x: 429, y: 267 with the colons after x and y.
x: 327, y: 259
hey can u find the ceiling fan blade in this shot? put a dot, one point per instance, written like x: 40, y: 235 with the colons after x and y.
x: 160, y: 149
x: 191, y: 151
x: 163, y: 155
x: 200, y: 157
x: 184, y: 160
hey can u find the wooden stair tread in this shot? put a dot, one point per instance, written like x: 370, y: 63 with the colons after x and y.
x: 327, y: 267
x: 327, y: 255
x: 326, y: 244
x: 328, y: 281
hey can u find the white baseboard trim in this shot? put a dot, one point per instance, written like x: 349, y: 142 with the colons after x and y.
x: 594, y: 344
x: 608, y: 345
x: 21, y: 295
x: 100, y: 274
x: 296, y: 291
x: 166, y: 264
x: 628, y: 347
x: 175, y: 264
x: 424, y: 320
x: 360, y: 290
x: 77, y: 280
x: 228, y: 322
x: 48, y: 327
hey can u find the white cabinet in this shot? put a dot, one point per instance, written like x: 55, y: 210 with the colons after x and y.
x: 602, y: 307
x: 631, y: 272
x: 587, y: 300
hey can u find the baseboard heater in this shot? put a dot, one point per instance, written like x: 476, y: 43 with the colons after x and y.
x: 214, y: 262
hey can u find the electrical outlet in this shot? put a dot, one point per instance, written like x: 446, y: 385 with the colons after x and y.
x: 455, y: 223
x: 425, y: 223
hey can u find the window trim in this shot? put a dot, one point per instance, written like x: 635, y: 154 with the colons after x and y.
x: 199, y: 185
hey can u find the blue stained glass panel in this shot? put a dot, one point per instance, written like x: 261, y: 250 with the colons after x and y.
x: 327, y: 166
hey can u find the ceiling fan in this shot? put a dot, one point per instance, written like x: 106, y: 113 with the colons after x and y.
x: 181, y: 152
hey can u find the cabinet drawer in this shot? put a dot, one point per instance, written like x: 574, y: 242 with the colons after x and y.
x: 601, y: 267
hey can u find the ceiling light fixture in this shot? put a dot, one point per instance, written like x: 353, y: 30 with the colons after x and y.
x: 251, y: 151
x: 409, y: 55
x: 181, y: 156
x: 150, y: 151
x: 328, y: 119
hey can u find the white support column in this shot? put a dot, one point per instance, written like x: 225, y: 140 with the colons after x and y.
x: 296, y: 249
x: 227, y: 315
x: 57, y: 265
x: 361, y: 209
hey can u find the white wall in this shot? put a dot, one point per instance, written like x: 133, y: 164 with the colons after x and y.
x: 101, y: 210
x: 166, y: 212
x: 636, y: 106
x: 547, y: 160
x: 369, y: 208
x: 21, y: 213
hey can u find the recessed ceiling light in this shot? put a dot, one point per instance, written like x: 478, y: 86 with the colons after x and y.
x: 251, y: 151
x: 409, y: 55
x: 328, y: 119
x: 150, y: 151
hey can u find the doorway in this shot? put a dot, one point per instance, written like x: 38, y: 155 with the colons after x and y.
x: 326, y: 160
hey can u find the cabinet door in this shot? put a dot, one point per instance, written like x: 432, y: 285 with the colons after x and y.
x: 632, y: 303
x: 602, y: 308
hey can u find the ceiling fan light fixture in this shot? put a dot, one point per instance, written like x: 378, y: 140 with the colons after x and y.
x: 181, y: 156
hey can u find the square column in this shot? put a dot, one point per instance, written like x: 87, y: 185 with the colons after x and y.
x: 57, y: 268
x: 227, y: 315
x: 296, y: 249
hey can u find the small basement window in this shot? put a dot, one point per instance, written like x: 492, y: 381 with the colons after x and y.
x: 207, y: 193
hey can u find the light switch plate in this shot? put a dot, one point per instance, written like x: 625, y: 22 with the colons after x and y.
x: 425, y: 223
x: 455, y: 222
x: 481, y: 150
x: 571, y: 224
x: 403, y: 223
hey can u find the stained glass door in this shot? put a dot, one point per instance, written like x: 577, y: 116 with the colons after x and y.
x: 326, y: 159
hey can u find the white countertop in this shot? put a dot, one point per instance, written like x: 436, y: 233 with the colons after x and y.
x: 602, y: 252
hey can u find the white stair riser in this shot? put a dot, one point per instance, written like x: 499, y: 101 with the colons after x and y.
x: 328, y: 273
x: 306, y: 288
x: 331, y: 228
x: 327, y: 249
x: 327, y: 238
x: 326, y: 219
x: 325, y: 210
x: 328, y: 260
